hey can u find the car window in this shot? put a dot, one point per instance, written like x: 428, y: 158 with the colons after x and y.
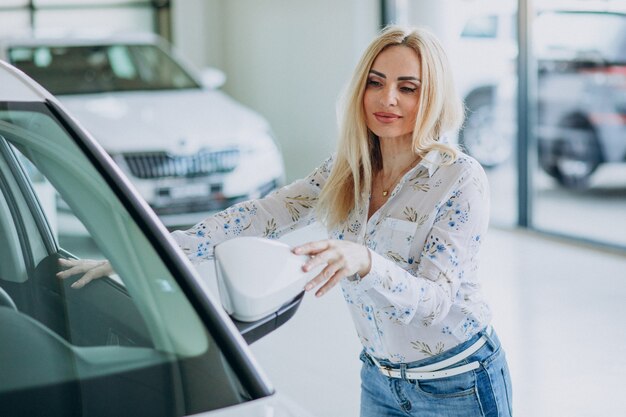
x: 481, y: 27
x: 131, y: 341
x: 87, y: 69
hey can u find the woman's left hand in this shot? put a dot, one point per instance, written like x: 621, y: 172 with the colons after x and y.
x: 342, y: 259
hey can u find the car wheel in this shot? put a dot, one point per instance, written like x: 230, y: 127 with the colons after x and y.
x: 480, y: 138
x: 576, y: 158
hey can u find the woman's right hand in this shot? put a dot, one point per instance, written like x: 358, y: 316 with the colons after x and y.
x: 91, y: 269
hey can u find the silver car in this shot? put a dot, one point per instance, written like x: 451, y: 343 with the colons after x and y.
x: 188, y: 148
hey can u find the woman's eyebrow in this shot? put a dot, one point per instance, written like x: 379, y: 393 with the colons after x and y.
x: 403, y: 78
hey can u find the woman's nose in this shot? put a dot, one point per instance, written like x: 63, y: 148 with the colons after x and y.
x: 388, y: 97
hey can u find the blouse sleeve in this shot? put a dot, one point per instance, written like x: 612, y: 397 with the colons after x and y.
x: 282, y: 211
x: 427, y: 292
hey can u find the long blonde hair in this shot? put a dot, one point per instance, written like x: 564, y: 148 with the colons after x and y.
x: 358, y: 155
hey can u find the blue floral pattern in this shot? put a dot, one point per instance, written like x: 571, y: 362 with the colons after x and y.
x: 422, y: 295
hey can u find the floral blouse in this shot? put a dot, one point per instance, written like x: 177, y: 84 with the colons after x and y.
x: 422, y: 295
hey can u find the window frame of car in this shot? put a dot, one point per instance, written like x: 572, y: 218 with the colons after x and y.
x: 230, y: 342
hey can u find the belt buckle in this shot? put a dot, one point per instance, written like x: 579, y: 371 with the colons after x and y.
x: 386, y: 370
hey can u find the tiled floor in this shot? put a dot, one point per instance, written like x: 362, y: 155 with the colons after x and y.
x: 559, y: 310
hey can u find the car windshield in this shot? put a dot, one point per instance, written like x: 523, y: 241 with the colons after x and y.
x: 583, y: 35
x: 88, y: 69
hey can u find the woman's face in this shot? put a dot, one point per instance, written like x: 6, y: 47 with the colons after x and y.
x: 391, y: 95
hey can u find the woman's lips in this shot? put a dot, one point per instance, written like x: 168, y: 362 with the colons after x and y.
x: 386, y: 117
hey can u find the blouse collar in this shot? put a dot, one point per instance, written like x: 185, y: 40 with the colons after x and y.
x: 431, y: 161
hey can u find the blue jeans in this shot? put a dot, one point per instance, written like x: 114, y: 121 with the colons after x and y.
x: 485, y: 391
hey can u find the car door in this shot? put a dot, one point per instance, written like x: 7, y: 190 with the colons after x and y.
x: 139, y: 342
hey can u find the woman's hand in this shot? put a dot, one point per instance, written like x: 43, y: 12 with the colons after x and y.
x: 90, y: 269
x: 342, y: 259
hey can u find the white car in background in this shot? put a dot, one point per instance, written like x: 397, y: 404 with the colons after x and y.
x: 484, y: 61
x: 188, y: 148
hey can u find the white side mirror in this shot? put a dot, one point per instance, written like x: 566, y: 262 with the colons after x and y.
x: 212, y: 78
x: 257, y: 276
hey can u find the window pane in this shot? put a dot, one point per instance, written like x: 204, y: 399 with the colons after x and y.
x: 481, y: 27
x: 105, y: 19
x: 12, y: 22
x: 14, y: 3
x: 581, y: 178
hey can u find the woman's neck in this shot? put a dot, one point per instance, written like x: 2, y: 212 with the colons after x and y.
x: 397, y: 154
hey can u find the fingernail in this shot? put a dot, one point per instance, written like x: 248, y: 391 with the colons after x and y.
x: 307, y: 287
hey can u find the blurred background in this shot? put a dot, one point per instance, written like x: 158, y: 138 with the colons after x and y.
x: 544, y: 84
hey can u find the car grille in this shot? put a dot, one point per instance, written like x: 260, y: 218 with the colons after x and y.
x: 164, y: 165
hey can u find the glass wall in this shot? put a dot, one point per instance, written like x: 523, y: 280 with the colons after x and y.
x: 19, y: 16
x: 574, y: 157
x: 580, y: 176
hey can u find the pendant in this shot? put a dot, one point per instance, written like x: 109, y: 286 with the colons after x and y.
x: 385, y: 192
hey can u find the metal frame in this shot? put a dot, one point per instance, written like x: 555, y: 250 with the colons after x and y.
x: 162, y: 11
x: 526, y: 108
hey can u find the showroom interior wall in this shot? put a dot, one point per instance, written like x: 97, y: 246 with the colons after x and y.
x: 289, y: 60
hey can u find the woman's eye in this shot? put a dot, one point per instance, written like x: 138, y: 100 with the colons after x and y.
x: 408, y: 89
x: 374, y: 83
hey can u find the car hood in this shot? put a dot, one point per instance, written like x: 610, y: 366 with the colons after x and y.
x: 181, y: 121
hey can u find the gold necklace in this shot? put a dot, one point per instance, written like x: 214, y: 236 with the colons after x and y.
x: 396, y: 178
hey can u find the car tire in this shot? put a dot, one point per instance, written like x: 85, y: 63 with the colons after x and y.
x: 576, y: 158
x: 480, y: 137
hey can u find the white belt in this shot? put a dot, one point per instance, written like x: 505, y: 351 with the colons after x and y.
x: 436, y: 370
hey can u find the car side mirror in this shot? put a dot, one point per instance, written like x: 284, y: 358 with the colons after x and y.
x: 212, y: 78
x: 260, y: 282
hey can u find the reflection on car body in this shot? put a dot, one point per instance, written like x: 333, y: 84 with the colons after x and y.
x: 187, y: 147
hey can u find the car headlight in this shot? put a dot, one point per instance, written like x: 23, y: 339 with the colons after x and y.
x: 260, y: 144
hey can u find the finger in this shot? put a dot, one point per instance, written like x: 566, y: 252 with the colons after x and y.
x: 327, y: 257
x: 77, y: 266
x: 311, y: 248
x: 75, y: 270
x: 323, y: 276
x: 67, y: 262
x: 87, y: 278
x: 332, y: 282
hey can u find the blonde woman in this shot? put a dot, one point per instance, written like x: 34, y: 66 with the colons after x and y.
x: 406, y: 216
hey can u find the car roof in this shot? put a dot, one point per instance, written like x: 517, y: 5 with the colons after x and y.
x: 17, y: 86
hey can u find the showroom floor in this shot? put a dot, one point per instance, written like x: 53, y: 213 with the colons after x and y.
x: 558, y: 309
